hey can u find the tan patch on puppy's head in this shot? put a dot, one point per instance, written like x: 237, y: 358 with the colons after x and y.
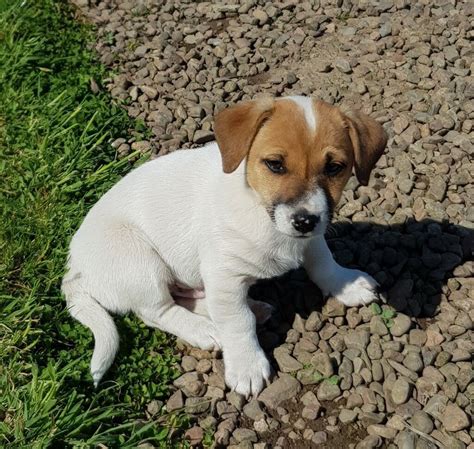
x: 290, y: 161
x: 236, y: 127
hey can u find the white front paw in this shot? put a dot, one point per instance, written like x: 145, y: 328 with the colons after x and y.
x: 246, y: 370
x: 204, y: 337
x: 352, y: 287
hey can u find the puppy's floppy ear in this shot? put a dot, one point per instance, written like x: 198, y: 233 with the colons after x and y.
x: 236, y: 127
x: 368, y: 140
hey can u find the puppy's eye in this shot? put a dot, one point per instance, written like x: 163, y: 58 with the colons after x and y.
x: 275, y: 165
x: 333, y: 168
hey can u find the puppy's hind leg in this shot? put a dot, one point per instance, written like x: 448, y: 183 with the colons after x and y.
x: 168, y: 316
x: 262, y: 310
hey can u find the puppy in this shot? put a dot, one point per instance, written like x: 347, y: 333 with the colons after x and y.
x: 252, y: 205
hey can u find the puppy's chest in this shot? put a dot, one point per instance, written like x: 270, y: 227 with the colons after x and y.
x: 264, y: 265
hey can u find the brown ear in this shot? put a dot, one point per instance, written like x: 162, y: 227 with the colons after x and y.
x: 368, y: 140
x: 235, y: 129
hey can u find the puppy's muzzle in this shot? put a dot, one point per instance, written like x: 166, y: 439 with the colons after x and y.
x: 304, y: 222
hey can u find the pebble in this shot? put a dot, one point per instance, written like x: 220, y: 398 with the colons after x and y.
x: 286, y: 362
x: 436, y: 406
x: 175, y: 401
x: 400, y: 391
x: 253, y: 410
x: 454, y: 419
x: 328, y: 391
x: 370, y: 442
x: 401, y: 325
x: 284, y: 388
x: 377, y: 326
x: 243, y: 434
x: 422, y: 422
x: 319, y: 437
x: 347, y: 416
x: 323, y: 364
x: 413, y: 362
x: 406, y: 440
x: 194, y: 435
x: 343, y: 65
x: 382, y: 431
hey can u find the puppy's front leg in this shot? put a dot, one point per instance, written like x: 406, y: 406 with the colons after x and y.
x: 351, y: 287
x: 246, y: 366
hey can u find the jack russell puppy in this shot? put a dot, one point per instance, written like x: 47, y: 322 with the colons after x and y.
x: 252, y: 205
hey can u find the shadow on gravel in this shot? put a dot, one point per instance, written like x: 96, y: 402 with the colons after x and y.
x: 412, y: 263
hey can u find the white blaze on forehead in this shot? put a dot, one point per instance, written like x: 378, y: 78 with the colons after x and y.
x: 305, y: 103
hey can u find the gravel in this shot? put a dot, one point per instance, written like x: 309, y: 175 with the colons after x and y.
x: 398, y: 374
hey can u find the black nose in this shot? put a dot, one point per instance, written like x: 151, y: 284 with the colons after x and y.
x: 304, y: 222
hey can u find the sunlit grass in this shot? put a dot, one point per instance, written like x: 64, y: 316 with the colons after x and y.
x: 55, y: 162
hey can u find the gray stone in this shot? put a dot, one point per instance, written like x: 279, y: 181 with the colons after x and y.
x: 422, y: 422
x: 455, y: 419
x: 209, y: 422
x: 417, y: 337
x: 309, y: 376
x: 284, y: 388
x: 334, y: 308
x: 286, y: 362
x: 400, y: 391
x: 437, y: 189
x: 242, y: 434
x: 191, y: 384
x: 374, y: 351
x: 370, y: 442
x: 309, y: 398
x: 142, y: 146
x: 354, y: 400
x: 347, y: 416
x: 261, y: 16
x: 357, y: 339
x: 315, y: 322
x: 154, y: 407
x: 236, y: 399
x: 175, y: 402
x: 328, y: 331
x: 328, y: 391
x: 319, y: 438
x: 377, y: 326
x: 311, y: 412
x: 413, y: 362
x: 343, y: 65
x: 436, y: 405
x: 382, y: 431
x: 401, y: 325
x: 323, y: 364
x: 194, y: 435
x: 261, y: 426
x: 196, y: 405
x: 253, y: 410
x: 188, y: 363
x: 405, y: 440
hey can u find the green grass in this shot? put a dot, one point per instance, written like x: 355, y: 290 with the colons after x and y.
x: 55, y: 162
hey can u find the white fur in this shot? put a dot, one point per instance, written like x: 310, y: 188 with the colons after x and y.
x: 351, y: 287
x: 314, y: 204
x: 306, y: 104
x: 180, y: 220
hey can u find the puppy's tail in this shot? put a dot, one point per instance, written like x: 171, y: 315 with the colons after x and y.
x: 90, y: 313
